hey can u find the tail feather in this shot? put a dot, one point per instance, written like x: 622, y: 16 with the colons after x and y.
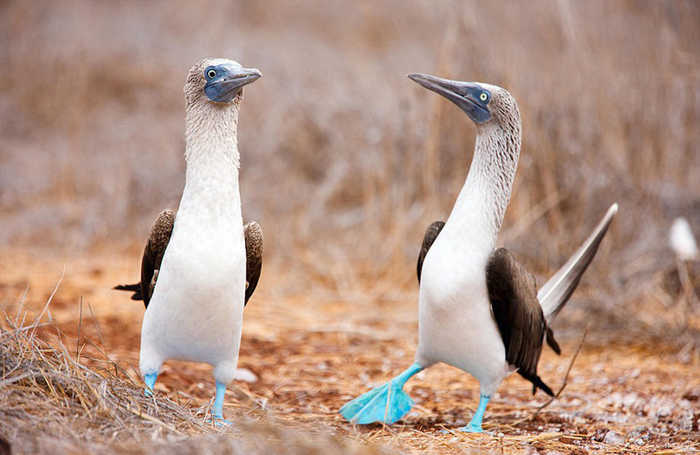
x: 537, y: 383
x: 552, y: 342
x: 556, y: 292
x: 135, y: 288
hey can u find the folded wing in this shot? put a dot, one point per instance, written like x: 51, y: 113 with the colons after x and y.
x: 521, y: 322
x: 254, y: 253
x: 430, y: 235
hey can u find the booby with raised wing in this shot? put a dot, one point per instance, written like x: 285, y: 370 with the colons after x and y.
x: 195, y: 312
x: 479, y: 309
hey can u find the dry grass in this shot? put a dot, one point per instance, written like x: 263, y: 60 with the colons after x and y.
x: 56, y: 401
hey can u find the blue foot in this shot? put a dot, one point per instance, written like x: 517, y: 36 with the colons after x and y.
x: 475, y: 425
x: 471, y: 429
x: 150, y: 380
x: 220, y: 421
x: 387, y: 403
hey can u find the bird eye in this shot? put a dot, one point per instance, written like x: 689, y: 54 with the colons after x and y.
x: 211, y: 74
x: 483, y: 96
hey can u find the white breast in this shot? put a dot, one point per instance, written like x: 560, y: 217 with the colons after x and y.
x: 455, y: 321
x: 196, y: 311
x: 197, y: 307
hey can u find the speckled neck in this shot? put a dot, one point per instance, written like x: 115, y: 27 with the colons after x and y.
x: 211, y: 153
x: 212, y: 129
x: 482, y: 202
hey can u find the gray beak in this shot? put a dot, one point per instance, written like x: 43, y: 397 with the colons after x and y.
x: 223, y: 89
x: 463, y: 94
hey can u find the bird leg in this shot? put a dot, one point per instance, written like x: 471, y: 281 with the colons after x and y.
x: 475, y: 424
x: 150, y: 380
x: 217, y: 412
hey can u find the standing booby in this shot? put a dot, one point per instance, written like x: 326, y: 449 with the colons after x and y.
x: 479, y: 309
x: 195, y: 312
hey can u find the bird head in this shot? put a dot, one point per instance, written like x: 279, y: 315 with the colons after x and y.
x: 483, y: 103
x: 218, y: 80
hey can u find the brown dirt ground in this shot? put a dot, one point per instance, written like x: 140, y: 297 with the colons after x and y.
x: 313, y: 352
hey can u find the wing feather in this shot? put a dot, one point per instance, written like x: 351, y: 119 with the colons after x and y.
x: 254, y: 252
x: 519, y: 317
x: 430, y: 235
x: 152, y: 257
x: 153, y: 252
x: 557, y: 290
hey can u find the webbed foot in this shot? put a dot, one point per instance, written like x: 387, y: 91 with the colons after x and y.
x: 387, y: 403
x: 220, y: 422
x: 471, y: 428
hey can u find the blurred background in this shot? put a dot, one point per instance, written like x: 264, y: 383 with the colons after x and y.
x: 345, y: 161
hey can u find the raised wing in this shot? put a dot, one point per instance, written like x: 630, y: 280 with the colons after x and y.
x: 557, y: 290
x: 430, y: 235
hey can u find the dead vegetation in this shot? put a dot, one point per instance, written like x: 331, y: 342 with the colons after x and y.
x: 56, y: 401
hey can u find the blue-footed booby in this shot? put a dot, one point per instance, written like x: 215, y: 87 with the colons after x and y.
x: 479, y: 309
x: 195, y: 310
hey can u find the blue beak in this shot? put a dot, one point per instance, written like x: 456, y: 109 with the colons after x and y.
x: 229, y: 83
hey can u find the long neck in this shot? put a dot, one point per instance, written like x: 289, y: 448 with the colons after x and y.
x: 211, y: 152
x: 482, y: 203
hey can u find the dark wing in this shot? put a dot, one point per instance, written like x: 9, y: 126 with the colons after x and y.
x: 153, y: 253
x: 518, y: 314
x: 254, y: 253
x: 152, y: 257
x: 430, y: 235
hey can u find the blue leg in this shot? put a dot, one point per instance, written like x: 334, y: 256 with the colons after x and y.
x: 475, y: 425
x: 217, y: 412
x: 150, y: 380
x: 387, y: 403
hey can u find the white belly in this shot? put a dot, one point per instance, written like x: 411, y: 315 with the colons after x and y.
x: 196, y: 311
x: 455, y: 321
